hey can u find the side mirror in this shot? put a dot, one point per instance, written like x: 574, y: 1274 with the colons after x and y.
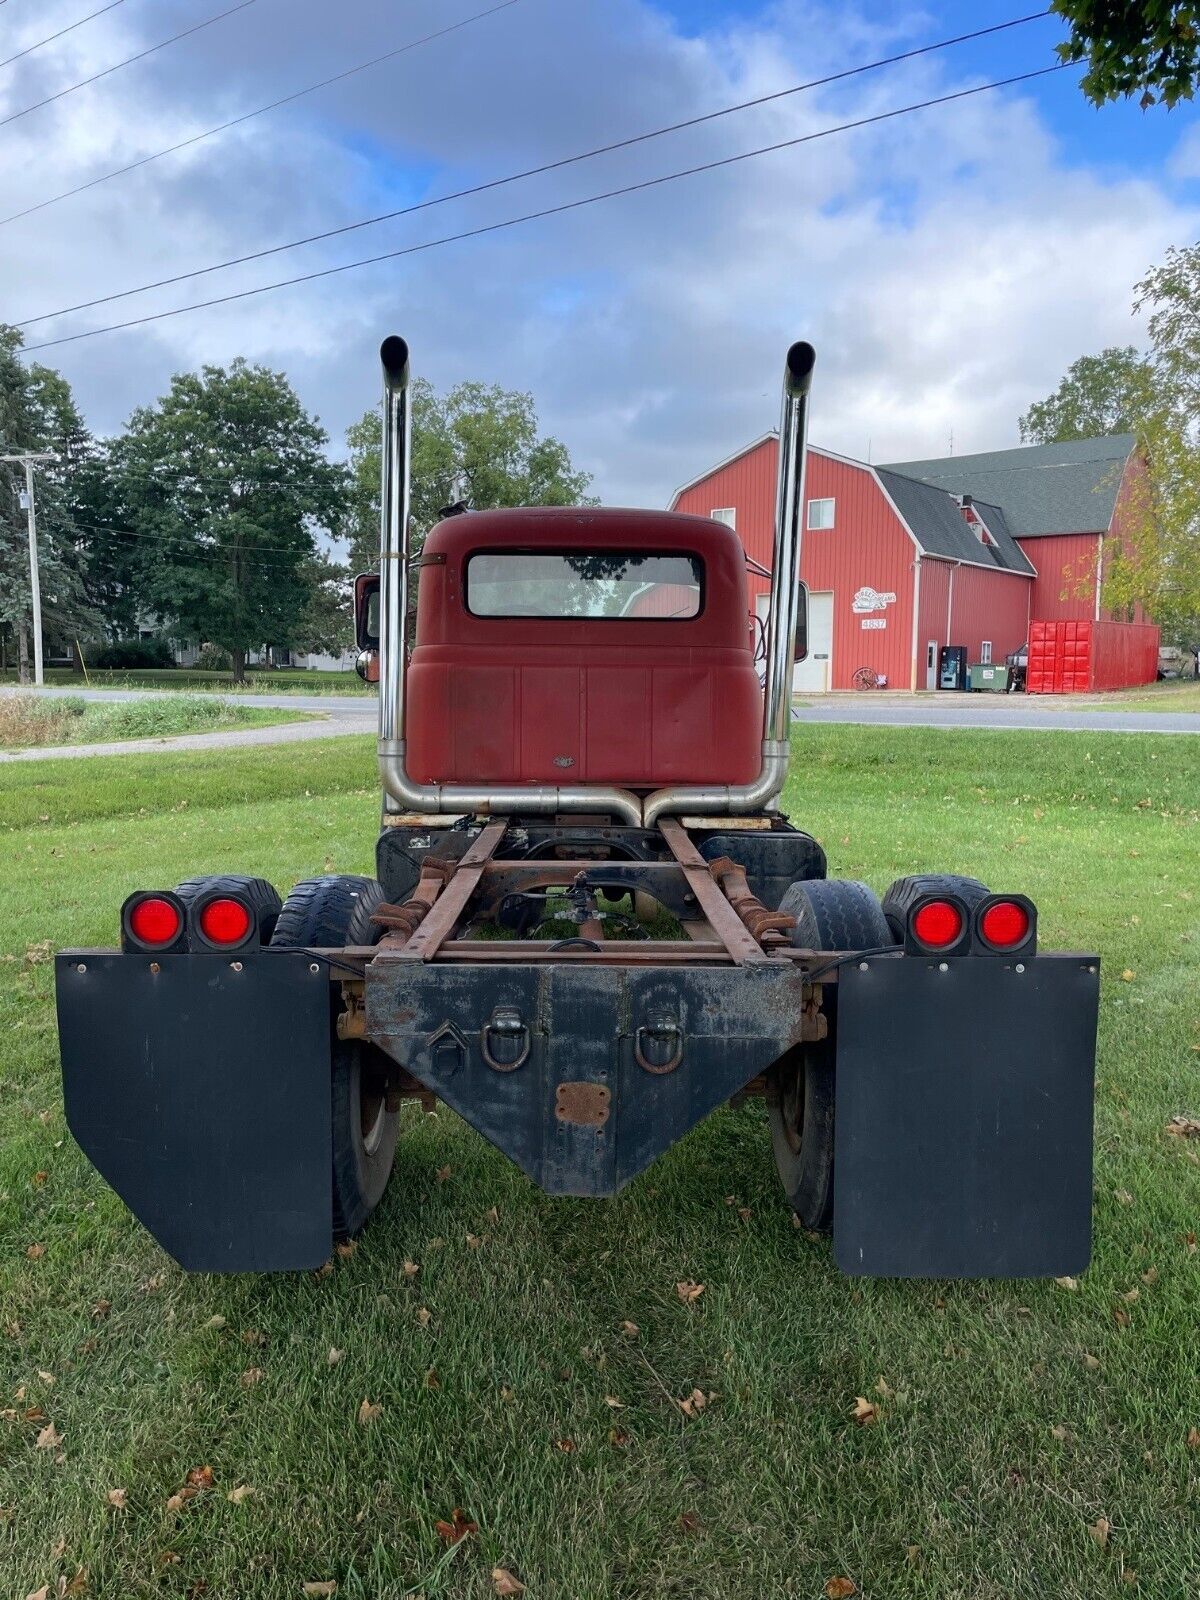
x: 802, y: 623
x: 366, y: 626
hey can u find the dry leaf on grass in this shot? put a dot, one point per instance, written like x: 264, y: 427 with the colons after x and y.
x: 250, y: 1377
x: 1123, y: 1197
x: 101, y: 1309
x: 1193, y: 1438
x: 76, y: 1585
x: 315, y: 1591
x: 242, y: 1492
x: 39, y: 1179
x: 1062, y: 1433
x: 346, y: 1247
x: 217, y: 1321
x: 49, y: 1438
x: 368, y: 1411
x: 1099, y: 1531
x: 688, y: 1291
x: 39, y: 1594
x: 618, y: 1437
x: 35, y: 1252
x: 611, y: 1401
x: 841, y: 1588
x: 693, y: 1404
x: 424, y: 1317
x: 630, y: 1329
x: 493, y: 1213
x: 47, y: 1378
x: 1091, y: 1362
x: 411, y: 1268
x: 565, y: 1445
x: 503, y: 1582
x: 690, y: 1521
x: 456, y: 1529
x: 442, y: 1174
x: 116, y: 1498
x: 253, y: 1337
x: 200, y: 1478
x: 335, y: 1355
x: 1184, y: 1127
x: 1067, y: 1283
x: 864, y: 1412
x: 432, y: 1381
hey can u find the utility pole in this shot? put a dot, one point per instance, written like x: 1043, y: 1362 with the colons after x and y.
x: 35, y: 587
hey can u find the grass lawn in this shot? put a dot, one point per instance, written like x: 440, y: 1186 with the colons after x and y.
x: 1175, y: 694
x: 1032, y: 1438
x: 28, y: 720
x: 280, y: 680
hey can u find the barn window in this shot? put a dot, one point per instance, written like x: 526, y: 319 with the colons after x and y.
x: 725, y: 514
x: 820, y: 513
x: 985, y: 653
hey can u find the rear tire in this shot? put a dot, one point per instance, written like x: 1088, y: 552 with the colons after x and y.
x: 334, y: 912
x: 834, y: 914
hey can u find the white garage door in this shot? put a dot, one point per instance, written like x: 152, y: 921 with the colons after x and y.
x: 815, y: 674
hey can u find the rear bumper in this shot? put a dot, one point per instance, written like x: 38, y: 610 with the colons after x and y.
x: 200, y: 1089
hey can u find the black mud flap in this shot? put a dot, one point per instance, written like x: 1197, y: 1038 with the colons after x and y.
x: 201, y: 1092
x: 963, y: 1142
x: 582, y: 1075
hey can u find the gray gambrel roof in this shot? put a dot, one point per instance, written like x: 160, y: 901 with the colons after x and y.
x: 939, y: 527
x: 1044, y: 488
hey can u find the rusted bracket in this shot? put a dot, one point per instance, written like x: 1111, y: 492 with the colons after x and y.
x: 451, y: 901
x: 768, y: 927
x: 407, y: 918
x: 720, y: 914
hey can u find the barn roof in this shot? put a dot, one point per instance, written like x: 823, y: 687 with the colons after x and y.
x: 936, y: 521
x: 1069, y: 487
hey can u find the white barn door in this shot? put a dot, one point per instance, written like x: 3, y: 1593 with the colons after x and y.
x: 815, y: 674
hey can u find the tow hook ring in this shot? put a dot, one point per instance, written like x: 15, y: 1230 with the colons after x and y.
x: 664, y: 1042
x: 505, y: 1040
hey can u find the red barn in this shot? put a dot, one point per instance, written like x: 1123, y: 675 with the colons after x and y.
x: 903, y: 559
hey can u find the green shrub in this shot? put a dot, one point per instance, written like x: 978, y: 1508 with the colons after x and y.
x: 214, y: 659
x: 135, y: 653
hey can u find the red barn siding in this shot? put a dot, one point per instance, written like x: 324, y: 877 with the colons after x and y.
x: 980, y: 604
x: 867, y: 546
x: 1065, y: 586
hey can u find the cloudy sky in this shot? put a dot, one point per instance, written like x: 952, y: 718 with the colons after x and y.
x: 948, y: 265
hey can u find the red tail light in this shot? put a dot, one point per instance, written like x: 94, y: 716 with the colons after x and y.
x: 938, y: 924
x: 225, y: 921
x: 1005, y: 924
x: 155, y: 921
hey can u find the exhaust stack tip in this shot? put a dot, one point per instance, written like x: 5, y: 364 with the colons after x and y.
x: 801, y: 359
x: 393, y: 353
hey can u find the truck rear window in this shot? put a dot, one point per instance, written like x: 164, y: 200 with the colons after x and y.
x: 593, y: 584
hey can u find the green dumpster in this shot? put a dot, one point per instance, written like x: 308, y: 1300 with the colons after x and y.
x: 991, y: 679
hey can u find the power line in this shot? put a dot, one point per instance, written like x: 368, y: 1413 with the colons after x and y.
x: 128, y: 62
x: 29, y: 49
x: 248, y: 116
x: 530, y: 172
x: 552, y: 211
x: 188, y: 550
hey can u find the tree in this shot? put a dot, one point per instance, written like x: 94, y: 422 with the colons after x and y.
x: 1132, y: 46
x: 1098, y: 395
x: 479, y: 443
x: 38, y: 413
x: 225, y: 482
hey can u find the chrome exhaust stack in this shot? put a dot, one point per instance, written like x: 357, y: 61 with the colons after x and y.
x: 395, y: 506
x: 784, y: 617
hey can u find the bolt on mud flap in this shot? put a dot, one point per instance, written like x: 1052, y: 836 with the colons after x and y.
x: 200, y: 1090
x: 582, y: 1075
x: 963, y: 1116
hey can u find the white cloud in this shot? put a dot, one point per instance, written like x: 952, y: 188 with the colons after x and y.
x: 948, y: 265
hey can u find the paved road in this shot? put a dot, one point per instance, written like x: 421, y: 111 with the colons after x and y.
x: 339, y: 715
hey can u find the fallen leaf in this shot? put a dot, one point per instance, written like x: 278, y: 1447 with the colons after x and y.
x: 250, y: 1377
x: 1121, y: 1317
x: 506, y: 1394
x: 864, y: 1413
x: 1067, y: 1283
x: 101, y: 1309
x: 1184, y: 1127
x: 841, y: 1588
x: 630, y: 1329
x: 1193, y: 1438
x: 47, y: 1378
x: 40, y: 1594
x: 315, y: 1591
x: 424, y: 1316
x: 618, y: 1437
x: 217, y: 1321
x: 1123, y: 1197
x: 745, y: 1213
x: 324, y: 1269
x: 39, y: 1179
x: 912, y: 1553
x: 1150, y: 1276
x: 200, y: 1478
x: 1092, y: 1363
x: 565, y: 1445
x: 411, y: 1269
x: 1189, y: 1243
x: 1130, y: 1296
x: 503, y: 1582
x: 432, y: 1381
x: 442, y: 1174
x: 35, y: 1252
x: 473, y: 1241
x: 690, y: 1522
x: 493, y: 1213
x: 253, y: 1336
x: 1062, y: 1433
x: 77, y: 1584
x: 177, y: 1501
x: 335, y: 1355
x: 242, y: 1492
x: 116, y: 1498
x: 1099, y: 1531
x: 688, y: 1291
x: 613, y: 1403
x: 1128, y: 975
x: 456, y: 1529
x: 49, y: 1438
x: 693, y: 1404
x: 367, y: 1412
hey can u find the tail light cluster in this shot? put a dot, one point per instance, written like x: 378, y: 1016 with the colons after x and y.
x: 155, y: 921
x: 1000, y: 925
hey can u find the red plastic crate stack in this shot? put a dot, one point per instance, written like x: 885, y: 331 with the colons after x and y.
x: 1073, y: 657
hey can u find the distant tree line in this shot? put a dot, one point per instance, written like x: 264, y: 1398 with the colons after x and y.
x: 217, y: 517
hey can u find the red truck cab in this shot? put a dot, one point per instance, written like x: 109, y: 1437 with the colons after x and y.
x: 583, y: 645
